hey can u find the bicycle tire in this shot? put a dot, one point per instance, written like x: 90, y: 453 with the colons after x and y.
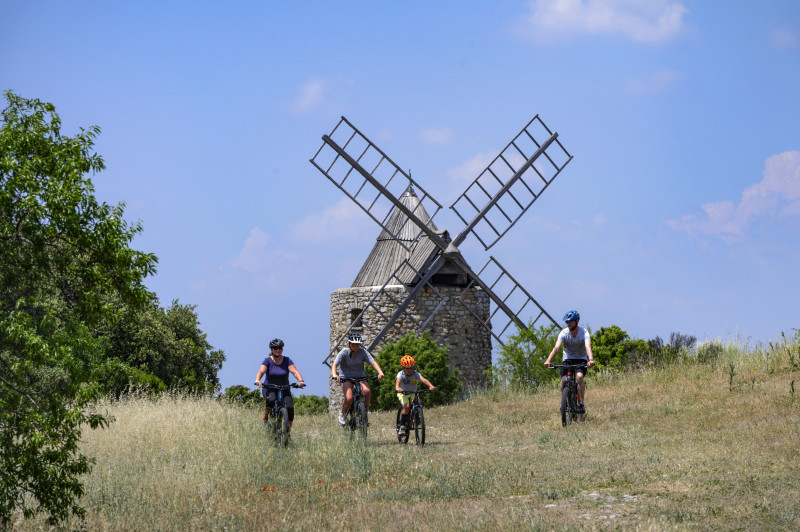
x: 401, y: 438
x: 566, y: 416
x: 419, y: 426
x: 361, y: 419
x: 283, y: 427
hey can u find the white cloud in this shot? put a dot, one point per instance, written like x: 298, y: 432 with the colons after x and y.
x: 658, y: 82
x: 784, y: 39
x: 254, y: 256
x: 436, y: 136
x: 316, y: 93
x: 468, y: 171
x: 643, y: 21
x: 777, y: 193
x: 341, y: 221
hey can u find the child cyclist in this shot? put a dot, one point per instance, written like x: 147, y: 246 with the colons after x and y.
x: 407, y: 381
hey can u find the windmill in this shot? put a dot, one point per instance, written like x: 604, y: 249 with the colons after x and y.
x: 489, y: 207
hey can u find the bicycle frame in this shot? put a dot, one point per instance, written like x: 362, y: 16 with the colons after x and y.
x: 569, y: 393
x: 279, y: 417
x: 356, y: 415
x: 415, y: 413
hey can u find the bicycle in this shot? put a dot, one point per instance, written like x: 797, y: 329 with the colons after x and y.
x: 356, y: 416
x: 278, y: 420
x: 416, y: 420
x: 570, y: 401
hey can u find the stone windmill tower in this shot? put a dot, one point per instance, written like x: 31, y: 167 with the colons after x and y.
x: 469, y: 341
x: 415, y: 278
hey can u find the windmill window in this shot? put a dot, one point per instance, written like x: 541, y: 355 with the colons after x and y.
x: 355, y: 319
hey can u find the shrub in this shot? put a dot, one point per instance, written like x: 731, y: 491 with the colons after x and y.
x: 310, y: 404
x: 521, y: 359
x: 432, y: 363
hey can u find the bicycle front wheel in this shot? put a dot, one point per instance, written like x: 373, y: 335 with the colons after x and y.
x: 361, y: 419
x: 566, y: 415
x: 419, y: 426
x: 282, y: 428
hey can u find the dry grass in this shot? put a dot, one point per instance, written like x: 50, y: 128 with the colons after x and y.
x: 672, y: 448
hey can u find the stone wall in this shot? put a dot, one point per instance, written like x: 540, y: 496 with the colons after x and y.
x: 469, y: 343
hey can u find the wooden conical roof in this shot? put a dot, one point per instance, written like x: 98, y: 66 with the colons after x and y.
x: 388, y: 254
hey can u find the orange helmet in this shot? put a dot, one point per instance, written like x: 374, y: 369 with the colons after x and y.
x: 407, y: 361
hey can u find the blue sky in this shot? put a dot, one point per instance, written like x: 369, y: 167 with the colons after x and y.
x: 679, y: 211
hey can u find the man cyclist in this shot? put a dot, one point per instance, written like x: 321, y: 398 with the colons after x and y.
x: 577, y: 351
x: 349, y: 363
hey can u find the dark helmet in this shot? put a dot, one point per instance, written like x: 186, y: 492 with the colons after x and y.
x: 354, y: 338
x: 572, y: 315
x: 277, y: 343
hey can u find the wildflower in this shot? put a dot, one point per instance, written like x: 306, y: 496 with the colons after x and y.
x: 264, y: 488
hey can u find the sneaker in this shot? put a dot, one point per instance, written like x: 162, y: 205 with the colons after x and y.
x: 341, y: 418
x: 402, y: 430
x: 581, y: 409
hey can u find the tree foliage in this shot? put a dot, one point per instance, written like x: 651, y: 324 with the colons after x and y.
x: 61, y: 254
x: 521, y: 359
x: 163, y: 347
x: 432, y: 363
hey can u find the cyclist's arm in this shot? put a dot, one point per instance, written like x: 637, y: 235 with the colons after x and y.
x: 589, y: 352
x: 377, y: 367
x: 397, y: 386
x: 297, y: 375
x: 426, y: 382
x: 261, y: 371
x: 553, y: 353
x: 334, y: 373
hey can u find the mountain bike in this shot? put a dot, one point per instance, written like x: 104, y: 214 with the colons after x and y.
x: 278, y: 420
x: 570, y: 401
x: 416, y: 420
x: 356, y: 416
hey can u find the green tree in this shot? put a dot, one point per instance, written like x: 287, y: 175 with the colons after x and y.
x: 521, y: 359
x: 310, y: 404
x: 432, y: 363
x: 614, y: 349
x: 244, y: 395
x: 166, y: 343
x: 61, y: 254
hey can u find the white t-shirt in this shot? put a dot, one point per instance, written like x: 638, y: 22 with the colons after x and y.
x: 574, y: 346
x: 409, y: 383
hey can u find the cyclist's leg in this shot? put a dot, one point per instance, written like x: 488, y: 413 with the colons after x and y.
x: 347, y: 388
x: 367, y: 392
x: 270, y: 402
x: 288, y: 402
x: 581, y: 386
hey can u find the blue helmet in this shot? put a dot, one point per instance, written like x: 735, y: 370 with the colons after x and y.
x: 572, y: 315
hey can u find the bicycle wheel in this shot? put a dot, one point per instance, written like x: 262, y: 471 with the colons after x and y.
x: 282, y: 428
x: 419, y: 426
x: 401, y: 438
x: 566, y: 415
x: 361, y: 419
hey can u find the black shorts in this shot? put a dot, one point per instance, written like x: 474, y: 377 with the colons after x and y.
x: 573, y: 362
x: 288, y: 402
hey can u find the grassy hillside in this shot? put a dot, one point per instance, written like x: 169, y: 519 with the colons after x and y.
x: 690, y: 446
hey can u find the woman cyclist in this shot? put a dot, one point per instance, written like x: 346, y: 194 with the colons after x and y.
x: 277, y: 368
x: 577, y: 351
x: 349, y: 363
x: 407, y: 381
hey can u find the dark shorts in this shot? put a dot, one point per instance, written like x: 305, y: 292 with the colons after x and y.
x: 288, y: 402
x: 574, y: 362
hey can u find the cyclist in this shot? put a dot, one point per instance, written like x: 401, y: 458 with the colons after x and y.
x: 349, y: 363
x: 407, y: 381
x: 577, y: 351
x: 277, y: 368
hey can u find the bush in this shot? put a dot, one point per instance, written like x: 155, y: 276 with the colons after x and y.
x: 310, y: 404
x: 432, y: 363
x: 244, y: 395
x: 522, y: 357
x: 709, y: 352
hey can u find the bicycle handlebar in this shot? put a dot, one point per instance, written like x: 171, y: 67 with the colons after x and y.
x: 358, y: 379
x: 279, y: 386
x: 414, y: 393
x: 556, y: 366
